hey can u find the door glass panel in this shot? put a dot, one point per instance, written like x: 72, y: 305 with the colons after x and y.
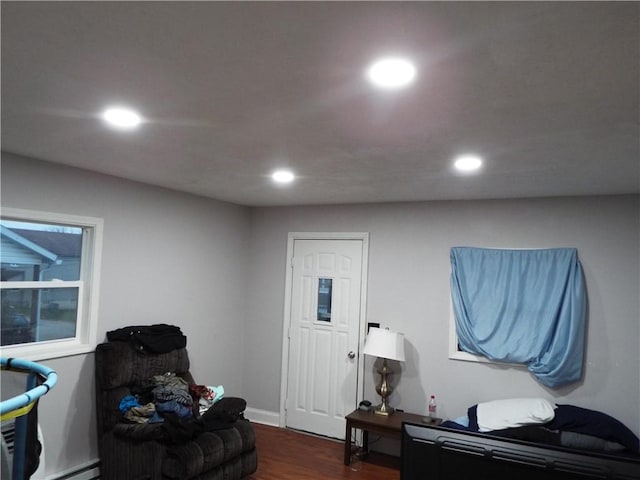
x: 325, y: 288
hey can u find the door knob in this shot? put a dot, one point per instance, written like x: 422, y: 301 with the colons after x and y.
x: 351, y: 355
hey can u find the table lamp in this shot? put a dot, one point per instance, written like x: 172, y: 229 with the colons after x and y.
x: 387, y: 345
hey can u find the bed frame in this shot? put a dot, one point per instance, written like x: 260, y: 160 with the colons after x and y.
x: 439, y: 453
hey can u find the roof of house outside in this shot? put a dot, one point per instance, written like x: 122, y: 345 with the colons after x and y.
x: 60, y: 243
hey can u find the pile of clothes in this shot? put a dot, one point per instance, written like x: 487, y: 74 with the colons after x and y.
x: 164, y: 395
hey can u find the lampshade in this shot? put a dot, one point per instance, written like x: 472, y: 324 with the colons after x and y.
x: 384, y: 344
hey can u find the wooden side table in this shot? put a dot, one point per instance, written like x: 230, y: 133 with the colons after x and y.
x: 390, y: 426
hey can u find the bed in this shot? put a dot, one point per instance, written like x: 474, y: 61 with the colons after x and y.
x: 531, y: 451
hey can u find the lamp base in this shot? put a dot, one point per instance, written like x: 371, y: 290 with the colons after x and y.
x: 383, y: 410
x: 384, y: 390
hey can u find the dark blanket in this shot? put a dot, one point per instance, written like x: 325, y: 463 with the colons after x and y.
x: 159, y: 338
x: 570, y: 418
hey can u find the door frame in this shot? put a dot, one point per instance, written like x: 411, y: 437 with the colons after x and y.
x: 292, y: 237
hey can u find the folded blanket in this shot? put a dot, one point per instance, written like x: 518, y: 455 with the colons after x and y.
x: 158, y: 338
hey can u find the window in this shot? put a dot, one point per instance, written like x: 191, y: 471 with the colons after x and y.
x: 522, y: 306
x: 455, y: 352
x: 325, y: 292
x: 49, y: 288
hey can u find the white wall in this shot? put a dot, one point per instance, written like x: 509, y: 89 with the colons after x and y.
x: 218, y: 271
x: 409, y: 292
x: 168, y: 258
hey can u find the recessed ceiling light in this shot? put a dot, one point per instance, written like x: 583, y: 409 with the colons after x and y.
x: 282, y: 176
x: 122, y: 118
x: 468, y: 163
x: 391, y: 73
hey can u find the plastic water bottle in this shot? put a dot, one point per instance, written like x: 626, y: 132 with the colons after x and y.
x: 432, y: 407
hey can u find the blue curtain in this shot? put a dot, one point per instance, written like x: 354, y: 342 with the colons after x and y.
x: 522, y: 306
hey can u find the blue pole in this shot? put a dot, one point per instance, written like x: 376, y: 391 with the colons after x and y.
x: 20, y: 442
x: 31, y: 395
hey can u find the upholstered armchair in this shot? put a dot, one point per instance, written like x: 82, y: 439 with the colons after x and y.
x: 219, y: 445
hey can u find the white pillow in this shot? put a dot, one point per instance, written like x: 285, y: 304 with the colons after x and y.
x: 514, y: 412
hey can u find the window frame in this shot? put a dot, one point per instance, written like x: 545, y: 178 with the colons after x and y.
x: 456, y: 354
x: 88, y: 286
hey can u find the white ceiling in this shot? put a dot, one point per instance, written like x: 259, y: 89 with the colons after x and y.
x: 547, y: 93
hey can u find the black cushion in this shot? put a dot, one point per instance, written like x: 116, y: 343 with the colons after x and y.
x: 158, y: 338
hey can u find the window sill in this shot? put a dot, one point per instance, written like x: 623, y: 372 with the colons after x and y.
x: 47, y: 351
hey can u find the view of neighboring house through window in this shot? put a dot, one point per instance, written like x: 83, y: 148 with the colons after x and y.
x: 48, y: 284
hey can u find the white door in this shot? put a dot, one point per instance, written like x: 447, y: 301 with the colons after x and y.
x: 326, y: 289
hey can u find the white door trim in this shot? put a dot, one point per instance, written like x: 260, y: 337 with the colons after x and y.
x: 292, y: 237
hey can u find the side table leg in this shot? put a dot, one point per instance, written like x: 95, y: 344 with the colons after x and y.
x: 347, y: 445
x: 365, y: 441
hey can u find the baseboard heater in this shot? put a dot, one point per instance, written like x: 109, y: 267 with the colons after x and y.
x: 8, y: 430
x: 89, y: 471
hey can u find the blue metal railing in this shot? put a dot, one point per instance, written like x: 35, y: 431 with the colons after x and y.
x: 17, y: 407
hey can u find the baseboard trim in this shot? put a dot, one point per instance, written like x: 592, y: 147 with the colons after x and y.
x: 89, y: 470
x: 265, y: 417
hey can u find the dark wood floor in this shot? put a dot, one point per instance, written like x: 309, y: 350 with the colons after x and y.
x: 287, y: 455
